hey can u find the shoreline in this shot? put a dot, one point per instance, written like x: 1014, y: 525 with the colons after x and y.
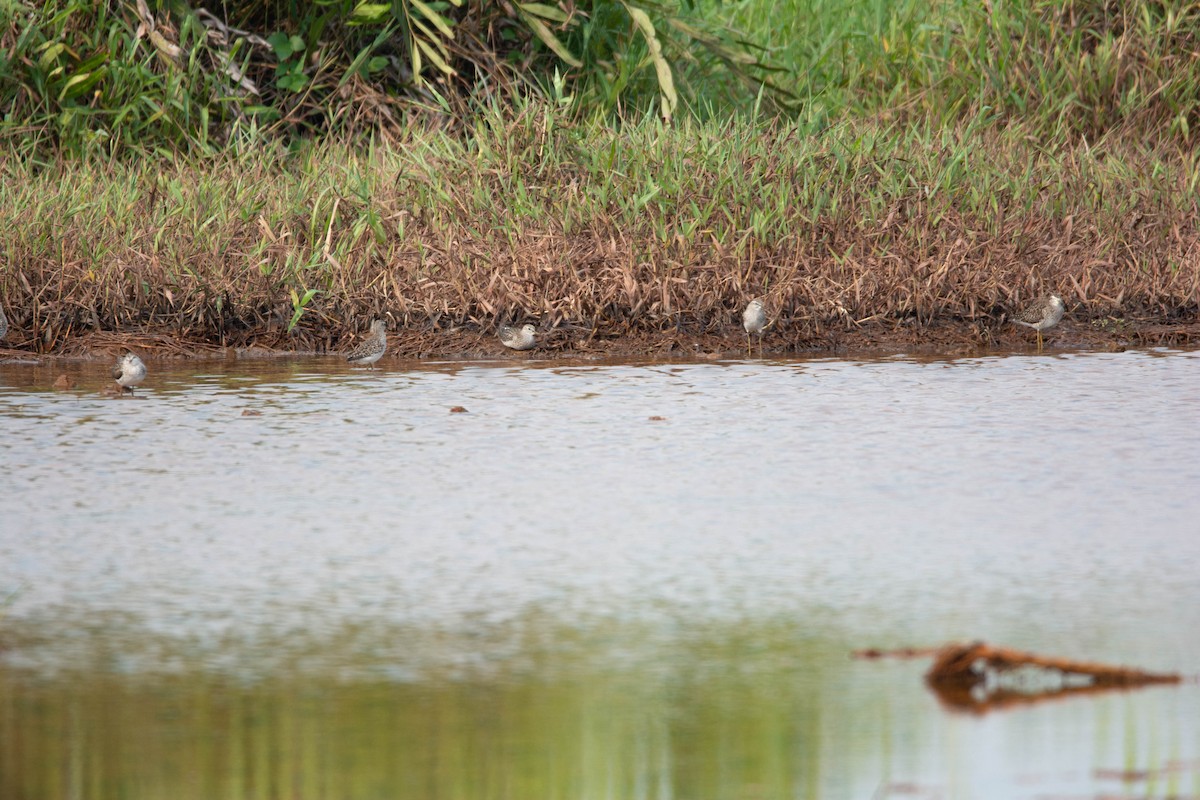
x: 957, y: 338
x: 852, y: 248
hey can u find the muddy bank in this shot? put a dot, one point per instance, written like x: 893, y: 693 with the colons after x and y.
x: 952, y: 338
x: 899, y: 245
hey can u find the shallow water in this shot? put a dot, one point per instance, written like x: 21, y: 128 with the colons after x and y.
x: 356, y: 593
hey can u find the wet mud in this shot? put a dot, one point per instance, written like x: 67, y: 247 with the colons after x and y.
x: 950, y: 338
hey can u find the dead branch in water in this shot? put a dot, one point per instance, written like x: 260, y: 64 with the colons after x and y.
x: 874, y: 653
x: 980, y: 677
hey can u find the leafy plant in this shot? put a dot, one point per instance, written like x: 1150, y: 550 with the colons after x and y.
x: 299, y: 305
x: 289, y: 75
x: 99, y: 76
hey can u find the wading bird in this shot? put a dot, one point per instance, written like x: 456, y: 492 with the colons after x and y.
x: 371, y: 349
x: 1043, y: 314
x: 514, y: 339
x: 128, y: 372
x: 754, y: 320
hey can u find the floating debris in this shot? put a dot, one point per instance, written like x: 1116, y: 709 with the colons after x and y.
x: 980, y: 677
x: 250, y: 412
x: 1173, y: 767
x: 457, y: 410
x: 873, y: 653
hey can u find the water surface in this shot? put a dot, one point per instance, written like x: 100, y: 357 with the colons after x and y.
x: 353, y: 592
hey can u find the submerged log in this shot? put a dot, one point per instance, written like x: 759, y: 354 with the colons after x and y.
x: 978, y: 676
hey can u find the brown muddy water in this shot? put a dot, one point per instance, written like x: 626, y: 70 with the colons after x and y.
x: 354, y: 593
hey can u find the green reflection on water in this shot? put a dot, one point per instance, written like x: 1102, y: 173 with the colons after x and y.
x: 709, y: 724
x: 756, y: 710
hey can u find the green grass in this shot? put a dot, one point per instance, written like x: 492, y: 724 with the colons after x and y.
x: 79, y: 82
x: 100, y: 80
x: 1082, y: 69
x: 913, y: 161
x: 648, y: 228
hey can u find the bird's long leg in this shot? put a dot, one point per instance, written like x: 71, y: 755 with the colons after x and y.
x: 748, y: 351
x: 1039, y: 337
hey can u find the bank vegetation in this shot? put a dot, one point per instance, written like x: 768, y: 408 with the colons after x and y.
x: 276, y: 174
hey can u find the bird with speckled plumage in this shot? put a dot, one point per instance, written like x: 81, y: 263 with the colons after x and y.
x: 371, y: 349
x: 1040, y: 315
x: 514, y: 339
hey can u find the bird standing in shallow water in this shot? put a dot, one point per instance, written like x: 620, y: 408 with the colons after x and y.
x: 371, y: 349
x: 129, y: 371
x: 754, y: 320
x: 1043, y: 314
x: 514, y: 339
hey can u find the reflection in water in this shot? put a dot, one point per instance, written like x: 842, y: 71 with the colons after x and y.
x: 980, y: 678
x: 707, y: 723
x: 596, y: 734
x: 360, y: 594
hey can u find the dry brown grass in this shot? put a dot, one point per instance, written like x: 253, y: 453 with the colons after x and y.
x: 653, y: 233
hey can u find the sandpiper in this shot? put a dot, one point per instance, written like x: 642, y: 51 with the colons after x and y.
x: 3, y: 324
x: 522, y: 339
x: 754, y: 320
x: 1043, y: 314
x: 129, y: 371
x: 371, y: 349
